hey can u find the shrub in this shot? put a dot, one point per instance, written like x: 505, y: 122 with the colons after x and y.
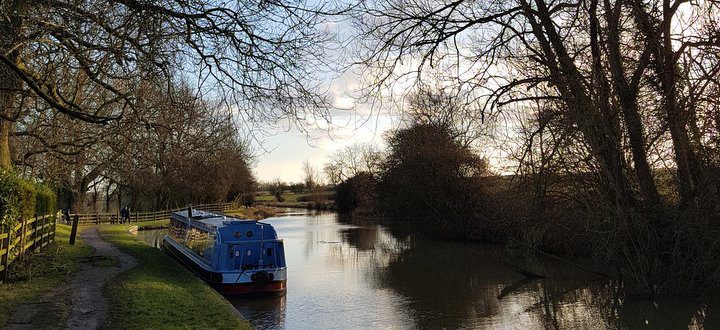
x: 279, y: 197
x: 27, y: 198
x: 21, y: 198
x: 356, y: 193
x: 9, y: 198
x: 46, y: 200
x: 430, y: 180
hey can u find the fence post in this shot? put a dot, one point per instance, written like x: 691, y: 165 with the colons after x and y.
x: 54, y: 227
x: 39, y: 233
x: 38, y: 240
x: 73, y: 231
x: 23, y: 234
x: 5, y: 244
x: 45, y: 232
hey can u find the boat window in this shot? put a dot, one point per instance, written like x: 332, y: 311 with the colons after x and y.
x: 249, y: 233
x: 237, y: 253
x: 269, y: 252
x: 249, y: 252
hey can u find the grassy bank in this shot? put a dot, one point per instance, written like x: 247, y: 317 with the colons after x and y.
x: 319, y: 206
x: 42, y: 272
x: 255, y: 212
x: 160, y: 293
x: 287, y: 197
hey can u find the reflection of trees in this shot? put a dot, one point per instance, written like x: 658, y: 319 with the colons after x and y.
x: 263, y: 313
x: 361, y: 238
x: 447, y: 283
x: 603, y: 305
x: 675, y: 313
x: 452, y: 285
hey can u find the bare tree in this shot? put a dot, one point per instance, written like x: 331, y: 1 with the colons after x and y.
x: 257, y: 57
x: 311, y: 176
x: 176, y: 149
x: 353, y: 159
x: 617, y: 90
x: 579, y: 55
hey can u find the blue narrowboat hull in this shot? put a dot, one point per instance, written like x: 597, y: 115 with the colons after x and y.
x: 240, y: 282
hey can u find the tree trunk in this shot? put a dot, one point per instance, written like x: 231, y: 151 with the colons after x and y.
x: 77, y: 202
x: 676, y: 119
x: 10, y: 22
x: 5, y: 127
x: 108, y: 197
x: 583, y: 110
x: 637, y: 147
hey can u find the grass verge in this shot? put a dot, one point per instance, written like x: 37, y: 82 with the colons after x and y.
x: 159, y: 293
x: 42, y: 272
x: 287, y: 197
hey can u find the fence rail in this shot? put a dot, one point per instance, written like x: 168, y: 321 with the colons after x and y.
x: 110, y: 218
x: 28, y: 235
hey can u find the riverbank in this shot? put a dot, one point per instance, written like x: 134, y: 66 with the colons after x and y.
x: 33, y: 282
x: 160, y: 293
x: 320, y: 206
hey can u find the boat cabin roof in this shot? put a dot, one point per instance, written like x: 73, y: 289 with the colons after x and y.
x: 229, y: 229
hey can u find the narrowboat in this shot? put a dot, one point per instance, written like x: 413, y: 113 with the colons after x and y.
x: 234, y: 256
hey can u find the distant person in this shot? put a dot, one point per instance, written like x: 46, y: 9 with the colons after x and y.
x: 248, y: 200
x: 124, y: 215
x: 66, y: 215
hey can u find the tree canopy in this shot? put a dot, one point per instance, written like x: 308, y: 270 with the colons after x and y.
x: 87, y: 59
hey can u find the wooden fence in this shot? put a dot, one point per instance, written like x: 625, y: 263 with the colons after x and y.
x: 28, y: 235
x: 110, y: 218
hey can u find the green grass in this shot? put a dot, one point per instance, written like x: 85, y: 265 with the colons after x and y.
x: 289, y: 198
x: 292, y: 197
x: 159, y: 293
x: 40, y: 273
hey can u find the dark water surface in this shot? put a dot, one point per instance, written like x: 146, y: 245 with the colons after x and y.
x: 345, y: 276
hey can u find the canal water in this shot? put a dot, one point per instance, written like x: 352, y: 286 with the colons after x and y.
x: 347, y: 276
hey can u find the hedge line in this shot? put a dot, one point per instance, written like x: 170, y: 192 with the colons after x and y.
x: 21, y: 198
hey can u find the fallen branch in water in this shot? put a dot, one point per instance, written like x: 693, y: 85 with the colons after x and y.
x: 524, y: 272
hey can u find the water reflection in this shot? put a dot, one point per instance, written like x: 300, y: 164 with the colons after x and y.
x: 265, y: 312
x: 153, y: 237
x: 342, y: 275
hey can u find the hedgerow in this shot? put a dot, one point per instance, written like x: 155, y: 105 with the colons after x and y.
x: 20, y: 198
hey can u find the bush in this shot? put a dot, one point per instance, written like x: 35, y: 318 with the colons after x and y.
x: 21, y: 198
x: 27, y: 198
x: 9, y: 198
x: 279, y: 197
x: 356, y: 193
x: 430, y: 180
x: 46, y: 200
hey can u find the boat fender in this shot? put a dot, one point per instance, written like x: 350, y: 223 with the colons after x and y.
x: 261, y: 277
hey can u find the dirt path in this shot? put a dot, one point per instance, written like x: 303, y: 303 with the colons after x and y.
x: 82, y: 300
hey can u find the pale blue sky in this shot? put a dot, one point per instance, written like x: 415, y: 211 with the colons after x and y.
x: 288, y: 150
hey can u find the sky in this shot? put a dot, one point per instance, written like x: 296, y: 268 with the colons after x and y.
x: 288, y: 150
x: 282, y: 154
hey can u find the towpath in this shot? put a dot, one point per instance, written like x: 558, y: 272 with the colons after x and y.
x: 82, y: 300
